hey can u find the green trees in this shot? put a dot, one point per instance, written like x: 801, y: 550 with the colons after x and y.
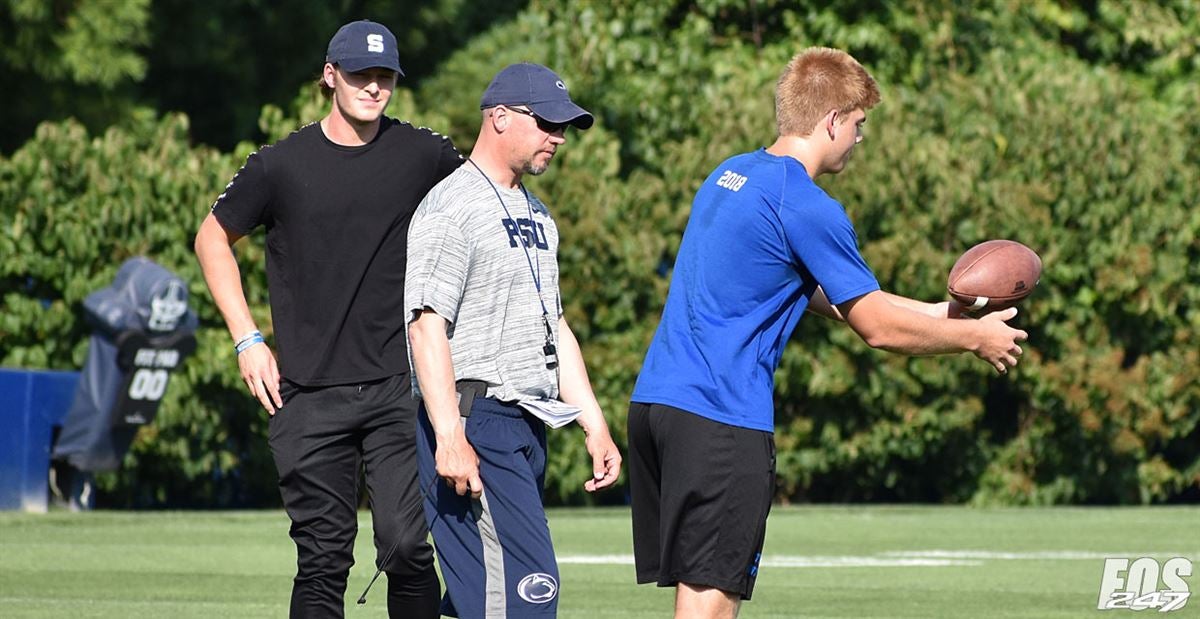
x: 1069, y: 129
x: 219, y: 62
x: 57, y: 54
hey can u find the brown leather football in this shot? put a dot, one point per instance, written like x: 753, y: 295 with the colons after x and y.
x: 994, y: 275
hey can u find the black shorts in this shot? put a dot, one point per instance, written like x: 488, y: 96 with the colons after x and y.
x: 700, y: 491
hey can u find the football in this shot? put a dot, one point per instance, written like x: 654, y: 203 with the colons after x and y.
x: 994, y: 275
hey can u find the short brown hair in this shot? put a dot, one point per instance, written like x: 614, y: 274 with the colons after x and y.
x: 324, y: 88
x: 817, y: 80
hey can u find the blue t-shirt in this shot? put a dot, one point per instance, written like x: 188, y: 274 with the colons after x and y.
x: 761, y: 237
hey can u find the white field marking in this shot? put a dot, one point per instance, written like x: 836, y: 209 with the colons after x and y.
x: 36, y: 602
x: 1059, y: 555
x: 903, y: 558
x: 795, y: 561
x: 596, y: 559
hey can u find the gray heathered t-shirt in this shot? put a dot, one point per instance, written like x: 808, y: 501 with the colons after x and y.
x: 467, y: 264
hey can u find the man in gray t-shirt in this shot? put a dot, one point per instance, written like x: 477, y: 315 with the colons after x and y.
x: 494, y: 359
x: 467, y: 265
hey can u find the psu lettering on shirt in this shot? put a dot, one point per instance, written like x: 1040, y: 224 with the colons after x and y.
x: 530, y: 233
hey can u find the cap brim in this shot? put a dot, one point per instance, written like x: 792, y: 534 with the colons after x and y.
x: 362, y: 63
x: 563, y: 111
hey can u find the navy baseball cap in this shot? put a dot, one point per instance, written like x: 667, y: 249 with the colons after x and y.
x: 539, y: 89
x: 363, y: 45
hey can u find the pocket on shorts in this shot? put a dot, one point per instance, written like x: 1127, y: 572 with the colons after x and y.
x: 287, y: 390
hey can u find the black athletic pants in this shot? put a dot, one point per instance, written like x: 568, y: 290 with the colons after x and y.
x: 322, y: 439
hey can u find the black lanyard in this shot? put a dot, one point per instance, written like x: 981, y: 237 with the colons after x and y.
x: 536, y: 273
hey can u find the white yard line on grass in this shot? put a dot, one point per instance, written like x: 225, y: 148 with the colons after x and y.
x: 1037, y: 555
x: 903, y: 558
x: 794, y: 561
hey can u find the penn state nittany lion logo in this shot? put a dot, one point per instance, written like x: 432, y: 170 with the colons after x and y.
x: 537, y: 588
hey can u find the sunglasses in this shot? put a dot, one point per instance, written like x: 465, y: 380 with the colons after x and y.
x: 542, y: 123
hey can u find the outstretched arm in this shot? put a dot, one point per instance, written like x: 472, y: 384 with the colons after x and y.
x: 944, y: 309
x: 257, y: 363
x: 575, y: 388
x: 456, y: 460
x: 898, y: 327
x: 819, y: 304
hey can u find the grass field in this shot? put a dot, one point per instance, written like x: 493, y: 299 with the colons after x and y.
x: 818, y: 562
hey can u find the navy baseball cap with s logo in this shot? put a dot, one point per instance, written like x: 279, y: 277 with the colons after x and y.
x: 362, y: 45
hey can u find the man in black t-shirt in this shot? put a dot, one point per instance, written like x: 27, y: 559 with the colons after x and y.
x: 335, y: 198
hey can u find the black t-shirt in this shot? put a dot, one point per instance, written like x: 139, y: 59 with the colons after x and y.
x: 337, y: 234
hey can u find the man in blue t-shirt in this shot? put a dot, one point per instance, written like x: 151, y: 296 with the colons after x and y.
x: 762, y: 245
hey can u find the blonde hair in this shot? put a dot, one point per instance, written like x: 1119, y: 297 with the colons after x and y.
x: 817, y: 80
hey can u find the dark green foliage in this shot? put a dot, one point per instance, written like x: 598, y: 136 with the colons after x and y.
x: 1070, y: 129
x: 218, y: 62
x: 64, y: 58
